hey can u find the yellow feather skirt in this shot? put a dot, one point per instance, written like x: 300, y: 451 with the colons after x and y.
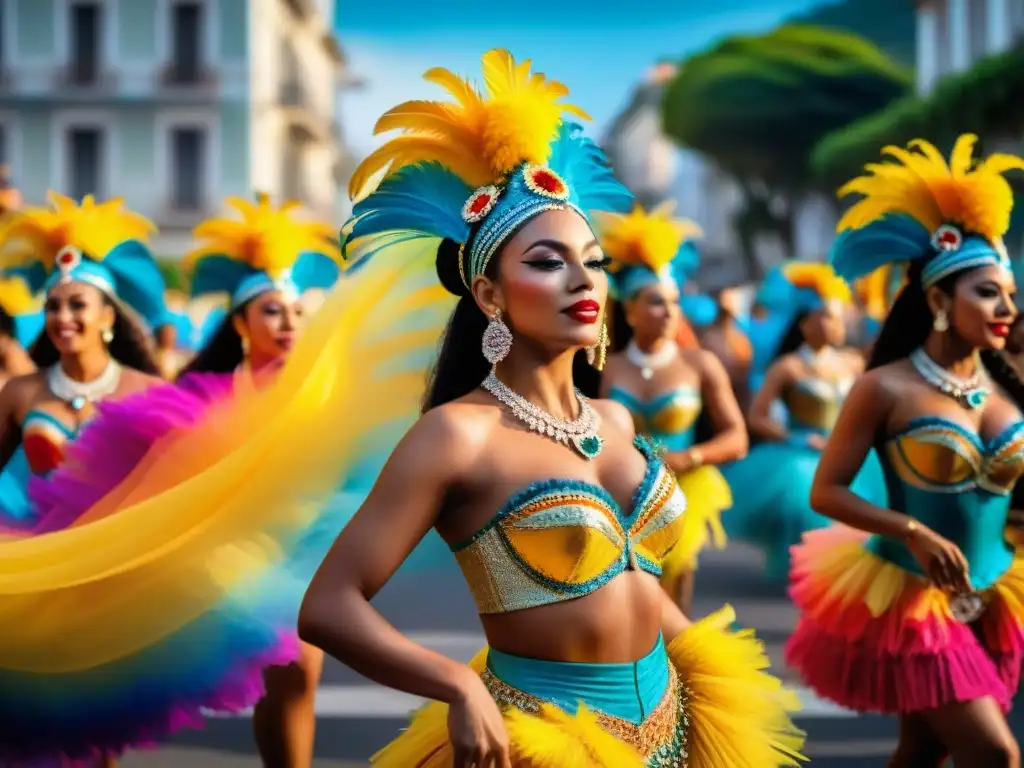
x: 707, y: 497
x: 723, y: 710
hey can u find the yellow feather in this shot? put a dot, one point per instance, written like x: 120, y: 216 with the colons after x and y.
x: 818, y: 277
x: 266, y: 238
x: 95, y: 228
x: 921, y: 184
x: 15, y: 297
x: 479, y: 138
x: 651, y: 239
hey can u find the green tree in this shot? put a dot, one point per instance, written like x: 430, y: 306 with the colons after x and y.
x: 758, y: 105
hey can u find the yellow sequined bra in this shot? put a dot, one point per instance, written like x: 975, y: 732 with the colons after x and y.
x: 562, y: 539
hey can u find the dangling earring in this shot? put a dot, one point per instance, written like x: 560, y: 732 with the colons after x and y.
x: 598, y: 354
x: 941, y: 322
x: 497, y: 340
x: 107, y: 335
x: 245, y: 347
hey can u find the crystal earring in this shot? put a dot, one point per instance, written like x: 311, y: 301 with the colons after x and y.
x: 107, y: 335
x: 941, y: 322
x: 598, y: 354
x: 497, y: 340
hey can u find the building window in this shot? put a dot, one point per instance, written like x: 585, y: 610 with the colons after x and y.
x: 86, y: 42
x: 85, y: 162
x: 188, y: 147
x: 977, y: 30
x: 187, y: 42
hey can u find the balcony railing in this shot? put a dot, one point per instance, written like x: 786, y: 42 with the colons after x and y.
x: 176, y: 75
x: 84, y: 75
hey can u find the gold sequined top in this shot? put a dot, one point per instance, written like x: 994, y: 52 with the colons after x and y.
x: 562, y: 539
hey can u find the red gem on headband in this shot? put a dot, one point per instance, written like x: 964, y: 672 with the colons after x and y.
x: 947, y: 238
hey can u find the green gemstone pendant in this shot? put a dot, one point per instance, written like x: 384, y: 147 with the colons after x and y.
x: 589, y: 446
x: 975, y: 398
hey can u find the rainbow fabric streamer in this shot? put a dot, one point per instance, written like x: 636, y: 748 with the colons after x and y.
x: 173, y: 591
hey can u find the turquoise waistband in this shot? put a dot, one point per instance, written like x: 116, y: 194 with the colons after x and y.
x: 629, y: 691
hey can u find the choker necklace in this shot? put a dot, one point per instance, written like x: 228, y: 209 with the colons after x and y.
x: 813, y: 359
x: 78, y: 394
x: 649, y: 363
x: 580, y: 433
x: 970, y: 393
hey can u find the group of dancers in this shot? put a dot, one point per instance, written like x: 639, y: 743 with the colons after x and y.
x: 503, y: 374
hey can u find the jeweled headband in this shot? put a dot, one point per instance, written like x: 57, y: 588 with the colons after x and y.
x: 475, y: 169
x: 954, y: 214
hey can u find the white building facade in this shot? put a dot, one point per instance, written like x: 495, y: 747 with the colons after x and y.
x: 172, y: 104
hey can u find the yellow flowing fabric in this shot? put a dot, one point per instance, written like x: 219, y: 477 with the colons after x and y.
x: 207, y: 511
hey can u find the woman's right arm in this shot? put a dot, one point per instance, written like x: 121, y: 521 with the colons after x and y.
x: 760, y: 419
x: 400, y: 510
x: 863, y: 417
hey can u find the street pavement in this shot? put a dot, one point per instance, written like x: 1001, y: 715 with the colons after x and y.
x: 356, y: 717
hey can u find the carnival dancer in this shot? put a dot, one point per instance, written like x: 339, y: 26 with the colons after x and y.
x: 915, y: 610
x: 728, y: 340
x: 265, y: 259
x: 811, y: 375
x: 558, y: 522
x: 665, y: 388
x: 767, y: 324
x: 175, y: 590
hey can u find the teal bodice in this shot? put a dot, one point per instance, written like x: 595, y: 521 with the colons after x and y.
x: 959, y: 485
x: 670, y: 419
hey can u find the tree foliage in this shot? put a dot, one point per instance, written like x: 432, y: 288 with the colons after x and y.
x: 758, y: 105
x: 985, y: 100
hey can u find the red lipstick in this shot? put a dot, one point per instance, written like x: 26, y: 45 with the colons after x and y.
x: 585, y: 311
x: 1000, y: 329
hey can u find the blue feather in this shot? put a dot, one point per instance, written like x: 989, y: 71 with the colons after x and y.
x: 686, y: 262
x: 891, y: 239
x: 584, y: 168
x: 426, y: 198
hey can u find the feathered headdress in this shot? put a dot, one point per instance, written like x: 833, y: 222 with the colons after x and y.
x: 648, y: 247
x: 954, y: 214
x: 102, y: 244
x: 816, y: 285
x: 16, y: 298
x: 267, y: 249
x: 474, y: 169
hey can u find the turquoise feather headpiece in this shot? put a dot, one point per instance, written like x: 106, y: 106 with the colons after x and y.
x: 99, y: 244
x: 265, y: 248
x: 474, y: 170
x: 921, y: 207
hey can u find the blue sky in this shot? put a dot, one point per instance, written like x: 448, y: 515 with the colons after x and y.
x: 599, y: 49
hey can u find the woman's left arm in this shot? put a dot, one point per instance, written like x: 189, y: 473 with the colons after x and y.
x: 730, y: 440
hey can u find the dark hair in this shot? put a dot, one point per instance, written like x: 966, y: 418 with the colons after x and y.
x: 910, y: 322
x: 460, y: 364
x: 223, y: 352
x: 6, y: 324
x: 794, y: 336
x: 619, y: 330
x: 131, y: 345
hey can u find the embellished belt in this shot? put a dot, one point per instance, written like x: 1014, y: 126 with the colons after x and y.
x: 661, y: 738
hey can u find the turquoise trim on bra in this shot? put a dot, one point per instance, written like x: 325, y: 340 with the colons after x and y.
x: 655, y: 404
x: 542, y: 487
x: 629, y: 691
x: 985, y: 447
x: 37, y: 415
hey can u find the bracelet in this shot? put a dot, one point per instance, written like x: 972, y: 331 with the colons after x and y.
x: 696, y: 457
x: 910, y: 528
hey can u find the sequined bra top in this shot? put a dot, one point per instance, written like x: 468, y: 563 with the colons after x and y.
x: 814, y: 403
x: 959, y: 485
x: 43, y: 437
x: 562, y: 539
x: 669, y: 418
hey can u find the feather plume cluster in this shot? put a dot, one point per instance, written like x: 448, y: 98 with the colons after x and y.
x: 266, y: 237
x: 873, y: 292
x: 920, y: 183
x: 820, y: 278
x: 38, y: 234
x: 16, y: 297
x: 641, y: 238
x: 479, y: 138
